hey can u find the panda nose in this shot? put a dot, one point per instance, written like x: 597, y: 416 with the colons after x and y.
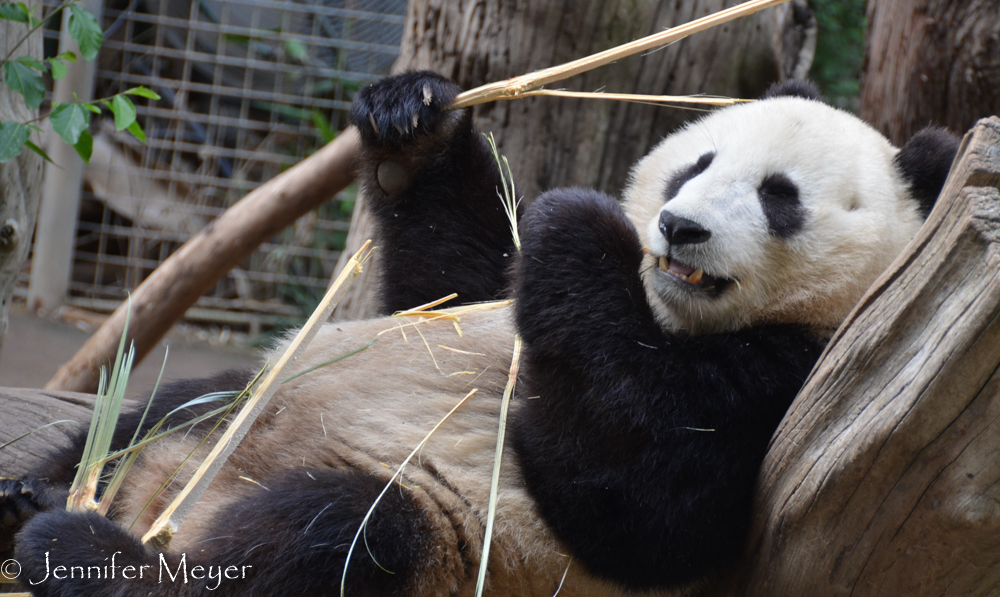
x: 682, y: 231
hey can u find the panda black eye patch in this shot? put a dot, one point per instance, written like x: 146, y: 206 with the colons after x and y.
x: 686, y: 174
x: 779, y: 198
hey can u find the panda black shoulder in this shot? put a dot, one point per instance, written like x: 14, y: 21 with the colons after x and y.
x: 793, y: 88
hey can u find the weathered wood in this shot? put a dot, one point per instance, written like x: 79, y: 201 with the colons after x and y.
x: 179, y: 281
x: 930, y: 62
x: 884, y: 477
x: 21, y: 177
x: 25, y: 410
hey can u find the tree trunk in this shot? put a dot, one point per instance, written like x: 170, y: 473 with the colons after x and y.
x: 930, y: 62
x: 558, y: 142
x: 883, y: 477
x: 20, y: 178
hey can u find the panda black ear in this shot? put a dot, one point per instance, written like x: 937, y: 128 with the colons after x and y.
x: 924, y: 163
x: 793, y: 88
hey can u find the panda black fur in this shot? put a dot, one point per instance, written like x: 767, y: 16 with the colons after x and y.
x: 651, y: 382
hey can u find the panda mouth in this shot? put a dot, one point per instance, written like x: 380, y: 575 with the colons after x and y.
x: 695, y: 278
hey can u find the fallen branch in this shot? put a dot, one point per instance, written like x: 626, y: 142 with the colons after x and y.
x: 178, y: 282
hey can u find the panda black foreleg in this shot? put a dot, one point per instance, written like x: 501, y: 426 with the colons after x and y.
x: 291, y: 538
x: 432, y: 186
x: 642, y: 447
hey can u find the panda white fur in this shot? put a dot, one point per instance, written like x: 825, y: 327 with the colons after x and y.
x: 650, y: 384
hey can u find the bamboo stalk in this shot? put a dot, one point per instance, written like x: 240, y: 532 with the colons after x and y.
x: 164, y: 527
x: 517, y: 86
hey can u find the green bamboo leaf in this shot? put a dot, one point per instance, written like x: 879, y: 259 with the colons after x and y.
x: 58, y: 68
x: 25, y: 80
x: 13, y: 136
x: 39, y: 151
x: 12, y: 12
x: 70, y: 121
x: 136, y: 130
x: 143, y: 92
x: 124, y: 111
x: 85, y: 146
x: 85, y: 31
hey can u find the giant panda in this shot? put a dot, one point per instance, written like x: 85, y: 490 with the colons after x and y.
x: 664, y: 338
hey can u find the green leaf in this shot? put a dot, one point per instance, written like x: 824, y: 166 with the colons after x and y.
x: 26, y: 81
x: 296, y: 50
x: 124, y: 111
x: 13, y: 136
x: 85, y: 146
x: 136, y: 130
x: 92, y: 108
x: 58, y: 69
x: 33, y: 63
x: 70, y: 121
x: 67, y: 56
x: 143, y: 92
x: 12, y: 12
x: 39, y: 151
x: 85, y: 31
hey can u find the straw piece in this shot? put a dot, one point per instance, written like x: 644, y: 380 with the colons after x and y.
x: 639, y: 98
x: 517, y: 86
x: 169, y: 521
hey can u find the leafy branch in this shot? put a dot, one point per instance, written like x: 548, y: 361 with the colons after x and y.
x: 69, y: 120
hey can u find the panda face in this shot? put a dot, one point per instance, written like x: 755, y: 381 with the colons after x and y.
x: 778, y: 211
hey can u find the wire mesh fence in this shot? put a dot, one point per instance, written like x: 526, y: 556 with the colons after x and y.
x: 248, y: 88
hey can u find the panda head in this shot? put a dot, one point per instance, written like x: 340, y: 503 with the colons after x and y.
x: 783, y: 210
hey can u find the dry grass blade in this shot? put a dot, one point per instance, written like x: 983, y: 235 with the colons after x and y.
x: 699, y: 100
x: 171, y: 518
x: 397, y: 474
x: 508, y: 391
x: 517, y: 86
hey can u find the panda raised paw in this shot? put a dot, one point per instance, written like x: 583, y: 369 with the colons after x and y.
x: 400, y: 109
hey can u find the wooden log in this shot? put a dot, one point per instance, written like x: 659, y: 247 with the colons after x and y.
x: 25, y: 410
x: 179, y: 281
x: 883, y: 477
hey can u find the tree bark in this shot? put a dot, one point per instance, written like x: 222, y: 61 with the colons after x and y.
x: 20, y: 178
x: 930, y: 62
x: 883, y: 477
x: 557, y: 142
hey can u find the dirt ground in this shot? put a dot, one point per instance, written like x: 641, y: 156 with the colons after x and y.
x: 34, y: 348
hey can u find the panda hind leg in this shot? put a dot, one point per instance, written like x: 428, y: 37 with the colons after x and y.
x: 291, y: 537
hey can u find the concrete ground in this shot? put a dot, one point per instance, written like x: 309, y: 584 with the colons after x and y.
x: 34, y: 348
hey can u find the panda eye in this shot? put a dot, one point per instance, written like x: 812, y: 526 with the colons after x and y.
x: 678, y: 180
x: 779, y: 187
x: 779, y: 198
x: 704, y: 162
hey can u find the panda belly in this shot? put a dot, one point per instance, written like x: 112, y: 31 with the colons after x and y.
x: 366, y: 414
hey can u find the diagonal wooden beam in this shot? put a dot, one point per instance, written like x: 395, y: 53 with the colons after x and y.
x: 176, y: 284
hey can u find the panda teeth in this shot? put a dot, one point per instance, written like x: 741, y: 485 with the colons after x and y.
x: 693, y: 278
